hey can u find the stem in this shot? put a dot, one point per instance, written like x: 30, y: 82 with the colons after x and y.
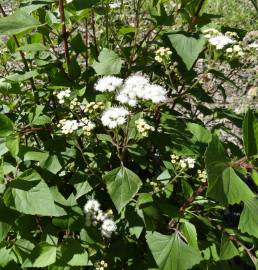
x: 87, y: 43
x: 188, y: 202
x: 64, y: 32
x: 94, y: 31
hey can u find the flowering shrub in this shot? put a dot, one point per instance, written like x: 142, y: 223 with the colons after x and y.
x: 128, y: 137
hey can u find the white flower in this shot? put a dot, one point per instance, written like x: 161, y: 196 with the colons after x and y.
x: 108, y: 227
x: 253, y: 45
x: 229, y: 50
x: 132, y: 88
x: 155, y: 93
x: 87, y: 126
x: 68, y: 126
x: 143, y: 127
x: 62, y: 95
x: 202, y: 175
x: 190, y: 162
x: 91, y: 206
x: 210, y: 32
x: 237, y: 48
x: 114, y: 117
x: 182, y: 164
x: 108, y: 84
x: 138, y: 87
x: 114, y: 5
x: 220, y: 41
x: 162, y: 54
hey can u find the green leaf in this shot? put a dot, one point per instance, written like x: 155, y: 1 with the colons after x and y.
x: 250, y: 130
x: 200, y: 133
x: 5, y: 257
x: 12, y: 143
x: 6, y: 126
x: 122, y: 185
x: 227, y: 248
x: 36, y: 156
x: 73, y: 253
x: 77, y: 44
x: 16, y: 77
x: 108, y: 63
x: 225, y: 185
x: 34, y: 47
x: 4, y: 229
x: 17, y: 22
x: 255, y: 177
x: 9, y: 88
x: 29, y: 194
x: 249, y: 219
x: 42, y: 255
x: 188, y: 46
x: 189, y: 231
x: 171, y: 253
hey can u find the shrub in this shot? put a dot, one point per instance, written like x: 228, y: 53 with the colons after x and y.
x: 122, y: 145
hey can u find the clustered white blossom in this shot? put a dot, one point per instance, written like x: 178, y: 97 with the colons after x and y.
x: 162, y: 54
x: 93, y: 107
x: 202, y: 175
x: 114, y: 117
x: 69, y: 126
x: 184, y: 163
x: 95, y: 216
x: 114, y: 5
x: 253, y: 45
x: 61, y: 95
x: 143, y: 127
x: 87, y: 126
x: 137, y: 87
x: 218, y: 39
x: 108, y: 84
x: 236, y: 50
x: 73, y: 103
x: 100, y: 265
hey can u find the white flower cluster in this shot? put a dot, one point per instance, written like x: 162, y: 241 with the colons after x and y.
x: 74, y: 103
x: 236, y: 50
x: 93, y: 107
x: 108, y: 84
x: 95, y: 216
x: 218, y: 39
x: 69, y: 126
x: 143, y: 127
x: 61, y: 95
x: 221, y: 41
x: 253, y: 45
x: 184, y: 163
x: 87, y: 126
x: 114, y: 5
x: 138, y: 87
x: 162, y: 54
x: 100, y: 265
x: 202, y: 175
x: 114, y: 117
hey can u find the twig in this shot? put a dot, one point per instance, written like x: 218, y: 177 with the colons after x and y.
x: 64, y: 32
x: 188, y: 202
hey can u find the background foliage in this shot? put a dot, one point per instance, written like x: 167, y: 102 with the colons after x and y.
x: 181, y: 188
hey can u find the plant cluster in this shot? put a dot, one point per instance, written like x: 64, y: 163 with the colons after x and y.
x: 120, y: 145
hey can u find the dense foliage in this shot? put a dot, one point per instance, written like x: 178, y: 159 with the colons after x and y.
x: 126, y: 139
